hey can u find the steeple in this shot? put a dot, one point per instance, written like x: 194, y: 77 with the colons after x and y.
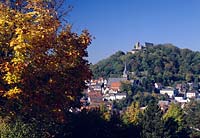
x: 125, y: 75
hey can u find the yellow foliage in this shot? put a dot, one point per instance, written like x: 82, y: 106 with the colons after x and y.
x: 131, y: 115
x: 39, y: 59
x: 174, y: 112
x: 107, y: 115
x: 26, y: 29
x: 12, y: 92
x: 71, y: 98
x: 11, y: 78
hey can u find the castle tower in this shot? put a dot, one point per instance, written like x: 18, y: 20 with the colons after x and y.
x: 138, y: 46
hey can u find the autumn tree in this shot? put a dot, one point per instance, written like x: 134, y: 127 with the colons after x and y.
x: 42, y: 62
x: 132, y: 113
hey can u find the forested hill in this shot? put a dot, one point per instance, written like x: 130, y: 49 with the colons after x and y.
x: 163, y: 63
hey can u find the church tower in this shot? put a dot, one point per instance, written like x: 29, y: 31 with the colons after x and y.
x: 125, y: 74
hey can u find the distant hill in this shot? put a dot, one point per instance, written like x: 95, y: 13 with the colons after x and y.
x: 163, y: 63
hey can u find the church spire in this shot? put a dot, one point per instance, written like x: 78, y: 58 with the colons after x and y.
x: 125, y: 75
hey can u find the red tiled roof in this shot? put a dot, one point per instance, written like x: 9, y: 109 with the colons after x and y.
x: 115, y: 85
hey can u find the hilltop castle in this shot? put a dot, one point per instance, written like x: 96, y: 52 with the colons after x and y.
x: 139, y: 47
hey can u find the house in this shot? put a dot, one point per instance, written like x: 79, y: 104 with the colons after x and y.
x: 112, y: 91
x: 182, y: 88
x: 109, y: 97
x: 105, y: 90
x: 97, y: 88
x: 115, y: 83
x: 93, y: 82
x: 105, y: 82
x: 111, y: 80
x: 163, y: 105
x: 158, y: 86
x: 100, y: 80
x: 95, y: 98
x: 115, y: 86
x: 192, y: 94
x: 170, y: 92
x: 114, y: 96
x: 182, y: 102
x: 120, y: 96
x: 179, y: 97
x: 143, y: 108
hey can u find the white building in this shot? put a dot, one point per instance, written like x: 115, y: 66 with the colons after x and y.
x: 178, y: 99
x: 109, y: 97
x: 169, y: 92
x: 105, y: 90
x: 191, y: 94
x: 120, y: 96
x: 114, y: 96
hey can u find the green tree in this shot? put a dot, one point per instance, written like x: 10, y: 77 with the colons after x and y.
x: 192, y: 117
x: 151, y: 122
x: 174, y: 118
x: 162, y: 63
x: 144, y: 98
x: 110, y: 67
x: 126, y: 86
x: 17, y: 129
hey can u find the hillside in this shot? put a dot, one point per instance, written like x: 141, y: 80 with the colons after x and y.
x: 162, y: 63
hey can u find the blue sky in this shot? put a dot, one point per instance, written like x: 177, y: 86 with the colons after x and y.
x: 119, y: 24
